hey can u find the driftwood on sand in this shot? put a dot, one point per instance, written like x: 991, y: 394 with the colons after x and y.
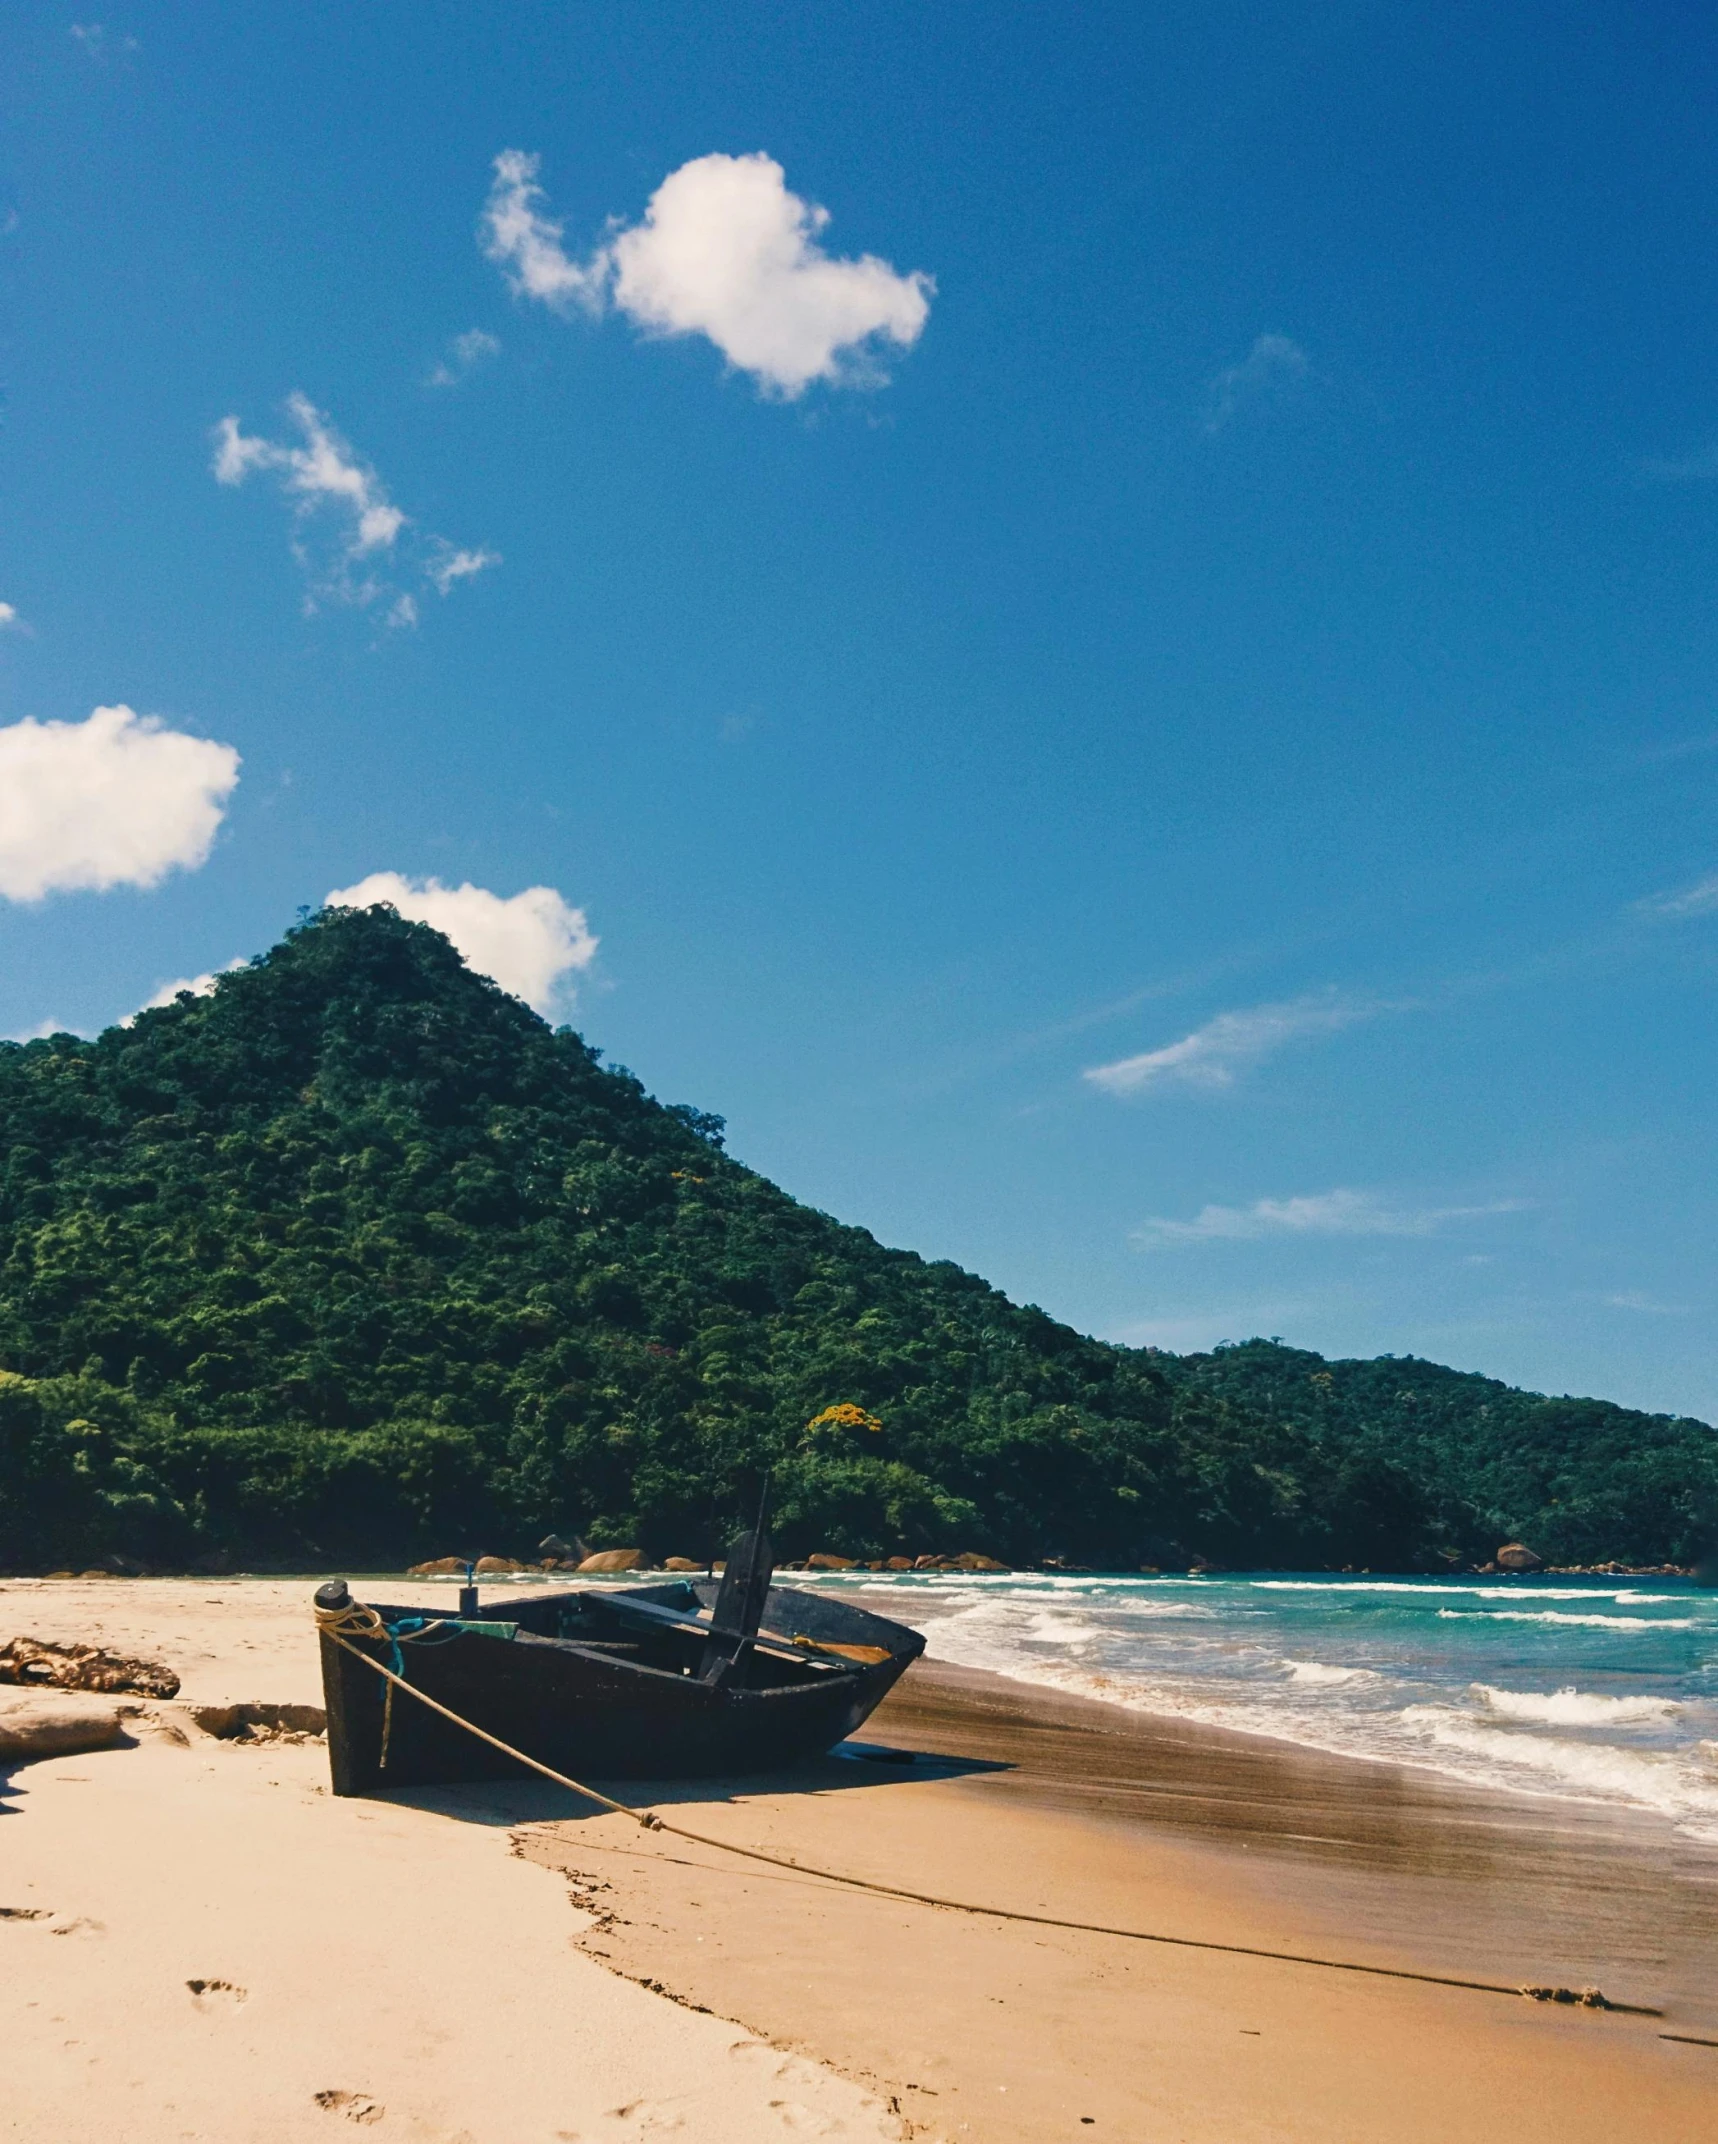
x: 39, y: 1665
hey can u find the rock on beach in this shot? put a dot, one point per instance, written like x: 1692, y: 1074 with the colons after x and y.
x: 1516, y: 1556
x: 42, y: 1724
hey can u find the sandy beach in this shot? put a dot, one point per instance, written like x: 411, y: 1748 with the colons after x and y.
x: 469, y: 1963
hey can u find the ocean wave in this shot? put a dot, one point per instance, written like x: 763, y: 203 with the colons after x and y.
x: 1388, y: 1670
x: 1589, y: 1770
x: 1057, y: 1626
x: 1443, y: 1588
x: 1642, y: 1626
x: 1570, y: 1707
x: 1023, y: 1604
x: 1353, y: 1585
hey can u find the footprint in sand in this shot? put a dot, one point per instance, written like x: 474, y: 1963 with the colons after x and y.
x: 356, y: 2106
x: 792, y: 2117
x: 646, y: 2118
x: 215, y: 1994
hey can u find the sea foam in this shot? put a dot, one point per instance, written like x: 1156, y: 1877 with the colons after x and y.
x: 1570, y: 1707
x: 1641, y: 1626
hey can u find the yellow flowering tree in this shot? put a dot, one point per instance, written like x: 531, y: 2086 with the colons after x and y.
x: 843, y: 1416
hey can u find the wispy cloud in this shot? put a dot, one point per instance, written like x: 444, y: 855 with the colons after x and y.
x: 99, y: 43
x: 1699, y: 467
x: 322, y: 471
x: 10, y: 622
x: 723, y: 250
x: 1325, y: 1213
x: 526, y: 244
x: 1700, y: 899
x: 1272, y: 363
x: 1634, y: 1299
x: 1683, y: 748
x: 464, y: 354
x: 345, y: 526
x: 1211, y: 1055
x: 447, y: 566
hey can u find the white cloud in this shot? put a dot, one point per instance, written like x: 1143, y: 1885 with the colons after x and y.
x: 1700, y: 899
x: 41, y: 1031
x: 1635, y: 1299
x: 344, y: 521
x: 1210, y: 1055
x: 1272, y: 362
x: 447, y: 566
x: 199, y: 986
x: 1195, y: 1331
x: 724, y: 251
x: 10, y: 622
x: 464, y: 354
x: 528, y: 942
x: 114, y: 801
x: 1326, y: 1213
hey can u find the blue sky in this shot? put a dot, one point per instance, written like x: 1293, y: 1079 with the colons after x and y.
x: 1135, y: 707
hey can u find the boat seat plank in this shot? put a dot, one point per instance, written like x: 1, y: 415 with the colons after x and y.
x: 670, y: 1618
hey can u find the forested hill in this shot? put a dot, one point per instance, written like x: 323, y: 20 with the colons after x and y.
x: 356, y: 1258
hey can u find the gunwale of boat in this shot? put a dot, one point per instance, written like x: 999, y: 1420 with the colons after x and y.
x: 792, y: 1671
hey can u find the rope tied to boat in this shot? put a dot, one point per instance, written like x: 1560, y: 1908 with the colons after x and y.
x: 334, y: 1624
x: 357, y: 1620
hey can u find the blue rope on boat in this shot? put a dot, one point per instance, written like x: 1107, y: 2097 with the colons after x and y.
x: 408, y: 1626
x: 429, y: 1630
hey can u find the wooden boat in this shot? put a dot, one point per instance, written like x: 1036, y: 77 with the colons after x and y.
x: 689, y: 1678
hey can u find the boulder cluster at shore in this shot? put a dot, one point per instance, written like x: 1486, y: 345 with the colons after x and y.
x: 608, y: 1561
x: 1512, y: 1560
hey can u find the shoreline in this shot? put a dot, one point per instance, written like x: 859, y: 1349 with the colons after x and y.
x: 64, y: 1612
x: 932, y: 2024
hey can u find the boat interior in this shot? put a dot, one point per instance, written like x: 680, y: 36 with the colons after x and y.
x: 804, y: 1638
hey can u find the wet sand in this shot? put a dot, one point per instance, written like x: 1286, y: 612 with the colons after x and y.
x: 1401, y: 1864
x: 422, y: 1953
x: 1011, y: 2031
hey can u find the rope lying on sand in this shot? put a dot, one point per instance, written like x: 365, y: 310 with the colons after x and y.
x: 334, y: 1623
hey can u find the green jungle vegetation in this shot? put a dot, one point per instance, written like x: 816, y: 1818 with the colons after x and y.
x: 356, y: 1259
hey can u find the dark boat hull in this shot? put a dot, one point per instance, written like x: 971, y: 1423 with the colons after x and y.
x: 596, y: 1707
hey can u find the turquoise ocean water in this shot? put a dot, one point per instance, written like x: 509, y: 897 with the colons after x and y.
x: 1593, y: 1690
